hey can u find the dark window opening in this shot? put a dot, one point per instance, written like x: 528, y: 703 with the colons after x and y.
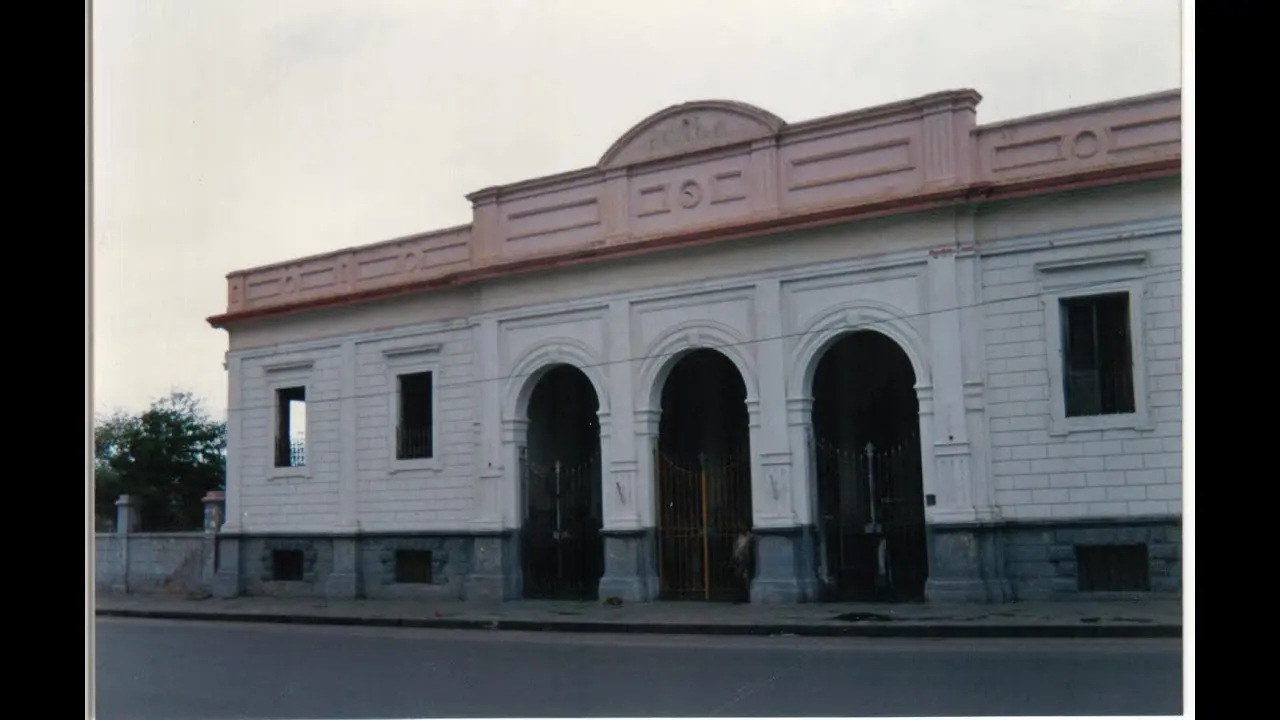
x: 291, y: 427
x: 1112, y: 568
x: 413, y: 567
x: 1097, y: 355
x: 414, y: 431
x: 286, y: 565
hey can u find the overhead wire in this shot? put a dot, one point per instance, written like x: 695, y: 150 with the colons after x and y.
x: 871, y: 324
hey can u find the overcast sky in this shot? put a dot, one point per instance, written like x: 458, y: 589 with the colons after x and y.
x: 233, y: 133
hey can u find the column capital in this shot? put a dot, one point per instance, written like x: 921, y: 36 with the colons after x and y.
x: 647, y: 421
x: 799, y: 411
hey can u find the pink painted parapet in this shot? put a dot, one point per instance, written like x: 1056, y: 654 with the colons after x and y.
x: 1130, y: 131
x: 351, y: 271
x: 704, y: 171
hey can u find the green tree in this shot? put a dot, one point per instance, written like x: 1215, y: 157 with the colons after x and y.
x: 166, y: 458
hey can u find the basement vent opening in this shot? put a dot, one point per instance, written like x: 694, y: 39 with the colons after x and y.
x: 286, y: 565
x: 1113, y: 568
x: 413, y: 567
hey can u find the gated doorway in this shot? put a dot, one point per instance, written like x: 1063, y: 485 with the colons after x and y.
x: 703, y: 467
x: 868, y: 471
x: 561, y: 548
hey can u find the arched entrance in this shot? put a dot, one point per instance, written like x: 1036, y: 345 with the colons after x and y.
x: 703, y: 468
x: 869, y: 474
x: 562, y: 552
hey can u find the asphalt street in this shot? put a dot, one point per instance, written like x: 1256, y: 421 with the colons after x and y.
x: 178, y: 670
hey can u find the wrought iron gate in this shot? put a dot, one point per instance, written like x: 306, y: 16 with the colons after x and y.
x: 872, y: 520
x: 561, y: 548
x: 704, y: 506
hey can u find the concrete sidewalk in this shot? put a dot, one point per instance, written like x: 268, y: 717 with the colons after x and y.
x: 1112, y: 619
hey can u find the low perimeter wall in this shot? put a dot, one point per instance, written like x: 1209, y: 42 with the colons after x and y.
x: 128, y: 561
x: 153, y: 562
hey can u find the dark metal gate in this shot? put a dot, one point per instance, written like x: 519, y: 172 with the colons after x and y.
x: 703, y: 507
x: 561, y: 548
x: 871, y: 507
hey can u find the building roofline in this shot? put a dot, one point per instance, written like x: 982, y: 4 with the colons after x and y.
x: 974, y: 193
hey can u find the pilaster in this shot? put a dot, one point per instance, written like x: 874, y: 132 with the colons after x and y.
x: 615, y: 211
x: 949, y: 438
x: 624, y: 499
x: 235, y: 419
x: 486, y: 238
x: 766, y: 197
x: 800, y: 432
x: 489, y: 459
x: 347, y: 475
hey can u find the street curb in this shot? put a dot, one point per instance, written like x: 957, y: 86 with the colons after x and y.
x: 1080, y: 632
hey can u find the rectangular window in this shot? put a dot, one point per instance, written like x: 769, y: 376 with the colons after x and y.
x: 413, y: 567
x: 1097, y: 355
x: 287, y: 565
x: 1113, y: 568
x: 415, y: 422
x: 291, y: 427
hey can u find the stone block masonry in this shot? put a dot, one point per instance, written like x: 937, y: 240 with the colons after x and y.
x: 386, y: 567
x: 1042, y: 560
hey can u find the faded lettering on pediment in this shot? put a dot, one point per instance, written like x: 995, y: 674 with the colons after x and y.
x: 687, y: 131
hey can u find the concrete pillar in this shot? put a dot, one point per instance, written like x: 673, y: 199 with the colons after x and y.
x: 126, y: 515
x: 213, y: 508
x: 126, y: 523
x: 213, y: 511
x: 222, y: 546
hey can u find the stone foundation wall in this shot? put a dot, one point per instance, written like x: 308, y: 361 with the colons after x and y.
x: 450, y: 566
x: 347, y: 566
x: 1041, y: 561
x: 988, y: 563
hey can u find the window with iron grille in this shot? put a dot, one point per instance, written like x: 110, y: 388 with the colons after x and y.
x: 1097, y: 355
x: 1113, y: 568
x: 287, y: 565
x: 413, y: 567
x: 291, y: 427
x: 415, y: 432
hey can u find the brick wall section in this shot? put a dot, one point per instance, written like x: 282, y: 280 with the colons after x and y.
x: 433, y: 499
x: 285, y: 503
x: 1109, y: 473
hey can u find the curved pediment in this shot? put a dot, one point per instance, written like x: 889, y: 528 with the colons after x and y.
x: 690, y: 127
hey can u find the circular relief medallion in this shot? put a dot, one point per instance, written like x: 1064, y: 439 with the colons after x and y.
x: 290, y: 284
x: 690, y: 194
x: 411, y: 261
x: 1085, y: 145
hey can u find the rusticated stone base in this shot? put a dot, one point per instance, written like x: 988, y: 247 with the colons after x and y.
x: 784, y: 567
x: 630, y: 565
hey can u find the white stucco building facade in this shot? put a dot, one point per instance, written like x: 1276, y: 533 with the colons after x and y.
x: 1019, y: 435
